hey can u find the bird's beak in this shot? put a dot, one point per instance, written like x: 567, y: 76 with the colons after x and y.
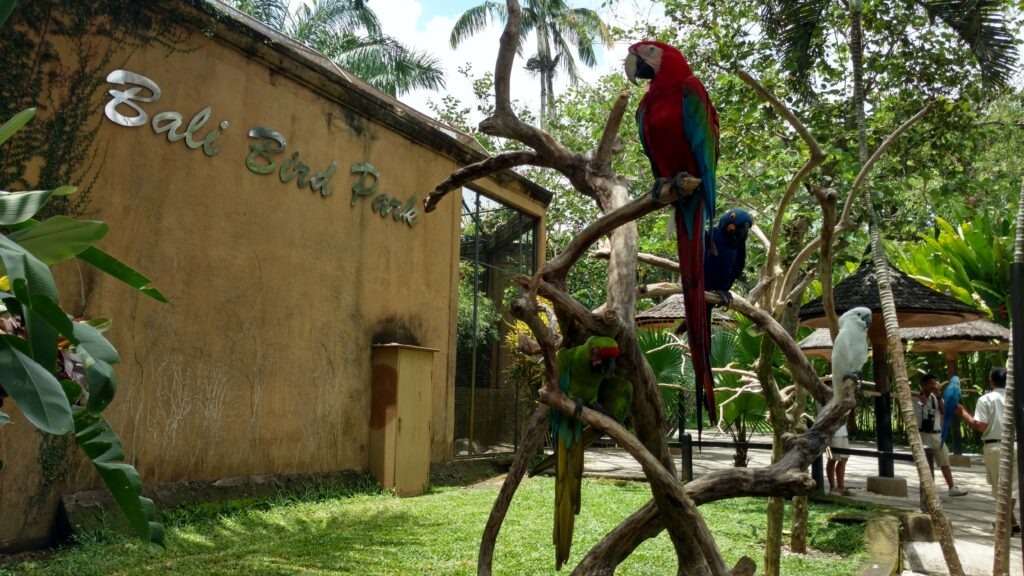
x: 631, y: 65
x: 868, y: 322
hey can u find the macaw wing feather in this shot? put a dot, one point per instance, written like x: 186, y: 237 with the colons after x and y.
x: 643, y: 141
x: 700, y: 125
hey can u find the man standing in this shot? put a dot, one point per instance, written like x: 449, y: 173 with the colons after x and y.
x: 988, y: 419
x: 930, y: 412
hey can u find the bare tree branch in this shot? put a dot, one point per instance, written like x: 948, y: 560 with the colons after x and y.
x: 866, y: 169
x: 601, y: 162
x: 816, y: 157
x: 557, y: 268
x: 478, y: 170
x: 644, y: 258
x: 787, y: 478
x: 845, y: 224
x: 533, y: 442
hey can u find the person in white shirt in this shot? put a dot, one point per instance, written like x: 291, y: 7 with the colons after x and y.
x: 988, y: 419
x: 929, y: 413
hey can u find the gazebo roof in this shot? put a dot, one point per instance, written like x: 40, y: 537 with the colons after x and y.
x: 916, y: 304
x: 672, y: 309
x: 972, y: 336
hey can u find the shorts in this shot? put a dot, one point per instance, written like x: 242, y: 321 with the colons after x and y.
x: 842, y: 442
x: 991, y: 453
x: 932, y: 441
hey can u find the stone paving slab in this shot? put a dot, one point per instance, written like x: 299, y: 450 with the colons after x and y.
x: 971, y: 515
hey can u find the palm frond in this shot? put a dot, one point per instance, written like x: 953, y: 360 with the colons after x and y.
x: 475, y: 20
x: 392, y: 67
x: 564, y: 50
x: 982, y: 25
x: 795, y: 26
x: 590, y: 22
x: 273, y: 13
x: 326, y: 17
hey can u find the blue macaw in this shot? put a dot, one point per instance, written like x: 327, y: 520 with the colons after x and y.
x: 723, y: 265
x: 950, y: 397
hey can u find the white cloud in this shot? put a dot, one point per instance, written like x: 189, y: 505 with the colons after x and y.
x: 401, y: 19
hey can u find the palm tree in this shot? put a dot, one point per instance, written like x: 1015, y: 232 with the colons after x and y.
x: 558, y: 28
x: 349, y: 33
x: 795, y: 25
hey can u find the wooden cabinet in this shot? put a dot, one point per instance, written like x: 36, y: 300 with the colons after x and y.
x: 400, y: 417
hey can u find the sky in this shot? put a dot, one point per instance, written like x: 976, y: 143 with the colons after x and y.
x: 426, y: 25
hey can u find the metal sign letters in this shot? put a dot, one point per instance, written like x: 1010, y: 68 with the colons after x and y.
x: 266, y: 153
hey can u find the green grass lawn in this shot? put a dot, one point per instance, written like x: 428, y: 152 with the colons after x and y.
x: 438, y: 533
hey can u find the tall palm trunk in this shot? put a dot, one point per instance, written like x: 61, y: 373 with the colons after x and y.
x: 943, y: 529
x: 544, y: 57
x: 1004, y: 502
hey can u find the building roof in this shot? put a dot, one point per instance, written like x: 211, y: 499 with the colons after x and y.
x: 916, y: 304
x: 972, y: 336
x: 288, y: 57
x: 672, y: 309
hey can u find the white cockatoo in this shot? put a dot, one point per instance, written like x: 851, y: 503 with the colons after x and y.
x: 850, y: 351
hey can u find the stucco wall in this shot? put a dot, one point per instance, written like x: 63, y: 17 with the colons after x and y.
x: 261, y: 362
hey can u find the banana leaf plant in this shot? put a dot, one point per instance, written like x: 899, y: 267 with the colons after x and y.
x: 58, y: 369
x: 742, y: 408
x: 970, y: 261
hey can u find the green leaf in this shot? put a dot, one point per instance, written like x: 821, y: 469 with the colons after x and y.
x: 6, y: 7
x: 102, y: 324
x: 92, y: 340
x: 20, y: 263
x: 17, y: 207
x: 50, y: 311
x: 65, y: 190
x: 30, y: 278
x: 35, y: 389
x: 121, y: 271
x: 16, y: 121
x: 59, y: 238
x: 104, y: 449
x: 72, y: 390
x: 4, y: 419
x: 102, y: 382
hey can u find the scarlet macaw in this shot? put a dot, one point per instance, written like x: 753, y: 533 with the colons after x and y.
x: 581, y: 371
x: 679, y: 132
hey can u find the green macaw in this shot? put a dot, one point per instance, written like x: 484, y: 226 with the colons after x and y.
x: 582, y: 371
x: 614, y: 398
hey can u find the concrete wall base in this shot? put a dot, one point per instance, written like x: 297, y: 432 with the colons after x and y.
x: 917, y: 527
x: 896, y: 487
x: 959, y: 460
x: 882, y: 537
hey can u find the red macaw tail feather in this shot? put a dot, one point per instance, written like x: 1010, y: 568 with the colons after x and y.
x: 691, y: 271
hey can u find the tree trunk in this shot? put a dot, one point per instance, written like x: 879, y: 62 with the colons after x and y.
x: 943, y: 529
x: 1004, y: 502
x: 780, y: 425
x: 798, y: 539
x: 1004, y: 496
x: 544, y: 58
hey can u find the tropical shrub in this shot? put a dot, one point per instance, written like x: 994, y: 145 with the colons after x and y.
x: 58, y: 369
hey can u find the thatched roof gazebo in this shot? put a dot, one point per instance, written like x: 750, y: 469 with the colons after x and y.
x: 950, y: 340
x: 975, y: 336
x: 917, y: 306
x: 670, y: 312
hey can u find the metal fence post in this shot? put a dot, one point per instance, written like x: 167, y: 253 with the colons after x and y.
x: 686, y: 455
x: 818, y: 473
